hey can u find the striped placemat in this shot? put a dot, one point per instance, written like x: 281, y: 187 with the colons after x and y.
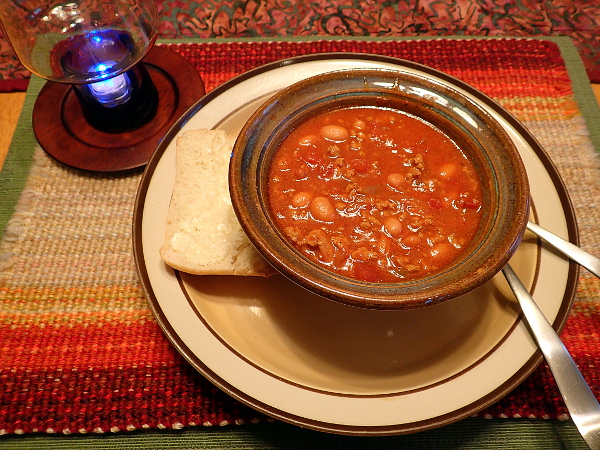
x: 81, y: 352
x: 577, y: 19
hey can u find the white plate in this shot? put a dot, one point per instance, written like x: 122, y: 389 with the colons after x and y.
x: 331, y: 367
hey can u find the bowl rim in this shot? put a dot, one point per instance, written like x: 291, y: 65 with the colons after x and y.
x: 247, y: 191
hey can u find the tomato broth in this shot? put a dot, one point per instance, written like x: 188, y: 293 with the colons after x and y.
x: 374, y: 194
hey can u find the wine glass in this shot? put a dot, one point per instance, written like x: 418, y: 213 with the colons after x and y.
x: 95, y: 45
x: 111, y: 95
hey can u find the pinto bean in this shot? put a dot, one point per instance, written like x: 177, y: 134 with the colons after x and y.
x: 392, y: 225
x: 308, y: 139
x: 441, y: 250
x: 395, y: 179
x: 411, y: 240
x: 334, y: 133
x: 322, y: 209
x: 359, y: 124
x: 301, y: 199
x: 447, y: 171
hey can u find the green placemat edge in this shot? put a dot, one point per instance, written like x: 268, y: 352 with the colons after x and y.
x: 470, y: 433
x: 19, y: 157
x: 582, y: 89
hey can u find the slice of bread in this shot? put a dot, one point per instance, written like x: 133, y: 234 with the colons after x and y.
x: 203, y: 235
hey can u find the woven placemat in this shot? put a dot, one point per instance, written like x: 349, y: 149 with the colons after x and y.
x: 81, y: 352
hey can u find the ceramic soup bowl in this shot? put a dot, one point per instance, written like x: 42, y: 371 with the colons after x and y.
x: 503, y: 206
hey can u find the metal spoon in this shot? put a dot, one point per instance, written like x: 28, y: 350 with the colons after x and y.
x: 579, y: 399
x: 580, y: 256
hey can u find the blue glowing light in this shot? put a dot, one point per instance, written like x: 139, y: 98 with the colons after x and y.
x: 114, y: 90
x: 103, y: 69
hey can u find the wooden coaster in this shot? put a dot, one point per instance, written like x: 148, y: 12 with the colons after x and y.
x: 63, y: 132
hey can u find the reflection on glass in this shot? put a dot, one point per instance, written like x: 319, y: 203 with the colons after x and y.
x: 65, y: 41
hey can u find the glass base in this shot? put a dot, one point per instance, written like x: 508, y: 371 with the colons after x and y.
x: 64, y: 132
x: 119, y: 107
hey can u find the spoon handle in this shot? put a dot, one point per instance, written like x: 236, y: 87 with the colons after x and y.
x: 580, y: 256
x: 579, y: 399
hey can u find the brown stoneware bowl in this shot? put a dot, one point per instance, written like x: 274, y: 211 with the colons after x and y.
x: 505, y: 189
